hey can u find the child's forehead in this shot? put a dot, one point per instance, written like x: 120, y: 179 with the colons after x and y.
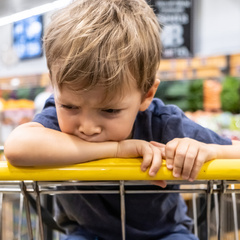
x: 98, y: 96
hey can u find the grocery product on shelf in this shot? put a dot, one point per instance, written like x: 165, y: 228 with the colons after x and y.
x: 224, y: 123
x: 13, y: 113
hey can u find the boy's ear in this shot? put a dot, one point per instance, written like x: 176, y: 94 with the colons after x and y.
x: 147, y: 99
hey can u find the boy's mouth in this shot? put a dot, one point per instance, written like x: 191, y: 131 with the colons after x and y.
x: 92, y: 138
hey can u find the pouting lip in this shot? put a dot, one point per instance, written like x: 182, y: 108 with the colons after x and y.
x: 93, y: 138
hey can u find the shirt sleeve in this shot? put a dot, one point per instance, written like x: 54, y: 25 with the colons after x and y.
x: 48, y: 116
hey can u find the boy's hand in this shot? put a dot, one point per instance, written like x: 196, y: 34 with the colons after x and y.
x: 186, y: 156
x: 152, y: 155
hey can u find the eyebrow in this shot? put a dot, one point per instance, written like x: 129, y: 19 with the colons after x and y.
x: 114, y: 104
x: 101, y: 105
x: 64, y: 101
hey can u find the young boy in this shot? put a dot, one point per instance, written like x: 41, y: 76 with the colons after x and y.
x: 102, y: 57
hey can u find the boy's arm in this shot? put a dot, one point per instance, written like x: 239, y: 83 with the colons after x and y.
x: 229, y: 151
x: 186, y: 156
x: 32, y: 144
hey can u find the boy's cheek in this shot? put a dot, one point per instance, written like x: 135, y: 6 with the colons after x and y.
x: 66, y: 127
x: 121, y: 135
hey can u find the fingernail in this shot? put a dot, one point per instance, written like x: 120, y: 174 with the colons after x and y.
x: 169, y: 166
x: 191, y: 179
x: 152, y: 174
x: 176, y: 175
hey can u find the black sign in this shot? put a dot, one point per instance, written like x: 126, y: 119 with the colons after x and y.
x: 175, y: 17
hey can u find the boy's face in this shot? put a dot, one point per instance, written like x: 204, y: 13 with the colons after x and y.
x: 85, y: 115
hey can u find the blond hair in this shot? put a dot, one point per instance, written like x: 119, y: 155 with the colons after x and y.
x: 106, y: 43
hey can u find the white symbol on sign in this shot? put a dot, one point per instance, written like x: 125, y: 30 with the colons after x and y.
x: 172, y: 35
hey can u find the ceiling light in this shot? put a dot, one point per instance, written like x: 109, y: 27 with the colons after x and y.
x: 33, y: 11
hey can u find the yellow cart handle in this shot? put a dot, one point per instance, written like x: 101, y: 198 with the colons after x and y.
x: 115, y: 169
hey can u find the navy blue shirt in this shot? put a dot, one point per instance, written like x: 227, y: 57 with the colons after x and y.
x: 148, y: 216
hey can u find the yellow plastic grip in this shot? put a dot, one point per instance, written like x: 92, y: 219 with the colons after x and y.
x: 115, y: 169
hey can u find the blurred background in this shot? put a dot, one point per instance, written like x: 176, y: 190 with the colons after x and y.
x: 199, y: 70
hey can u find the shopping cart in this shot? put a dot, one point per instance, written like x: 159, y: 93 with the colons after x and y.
x: 216, y: 179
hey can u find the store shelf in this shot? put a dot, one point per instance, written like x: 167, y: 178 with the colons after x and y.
x: 37, y: 80
x: 193, y: 68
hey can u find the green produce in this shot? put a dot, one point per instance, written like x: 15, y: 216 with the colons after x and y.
x: 230, y: 95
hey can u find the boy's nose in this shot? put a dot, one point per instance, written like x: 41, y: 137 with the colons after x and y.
x: 88, y: 128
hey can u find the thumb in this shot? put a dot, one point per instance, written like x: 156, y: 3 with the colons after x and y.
x: 161, y: 183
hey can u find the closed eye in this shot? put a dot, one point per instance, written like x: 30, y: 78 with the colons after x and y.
x: 68, y: 107
x: 112, y: 111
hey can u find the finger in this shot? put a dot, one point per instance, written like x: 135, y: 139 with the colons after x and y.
x: 200, y: 159
x: 179, y: 158
x: 170, y: 152
x: 189, y: 161
x: 156, y: 161
x: 147, y: 154
x: 161, y: 183
x: 161, y: 146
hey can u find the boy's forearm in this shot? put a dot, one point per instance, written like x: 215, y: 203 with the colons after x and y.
x: 42, y: 146
x: 228, y: 151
